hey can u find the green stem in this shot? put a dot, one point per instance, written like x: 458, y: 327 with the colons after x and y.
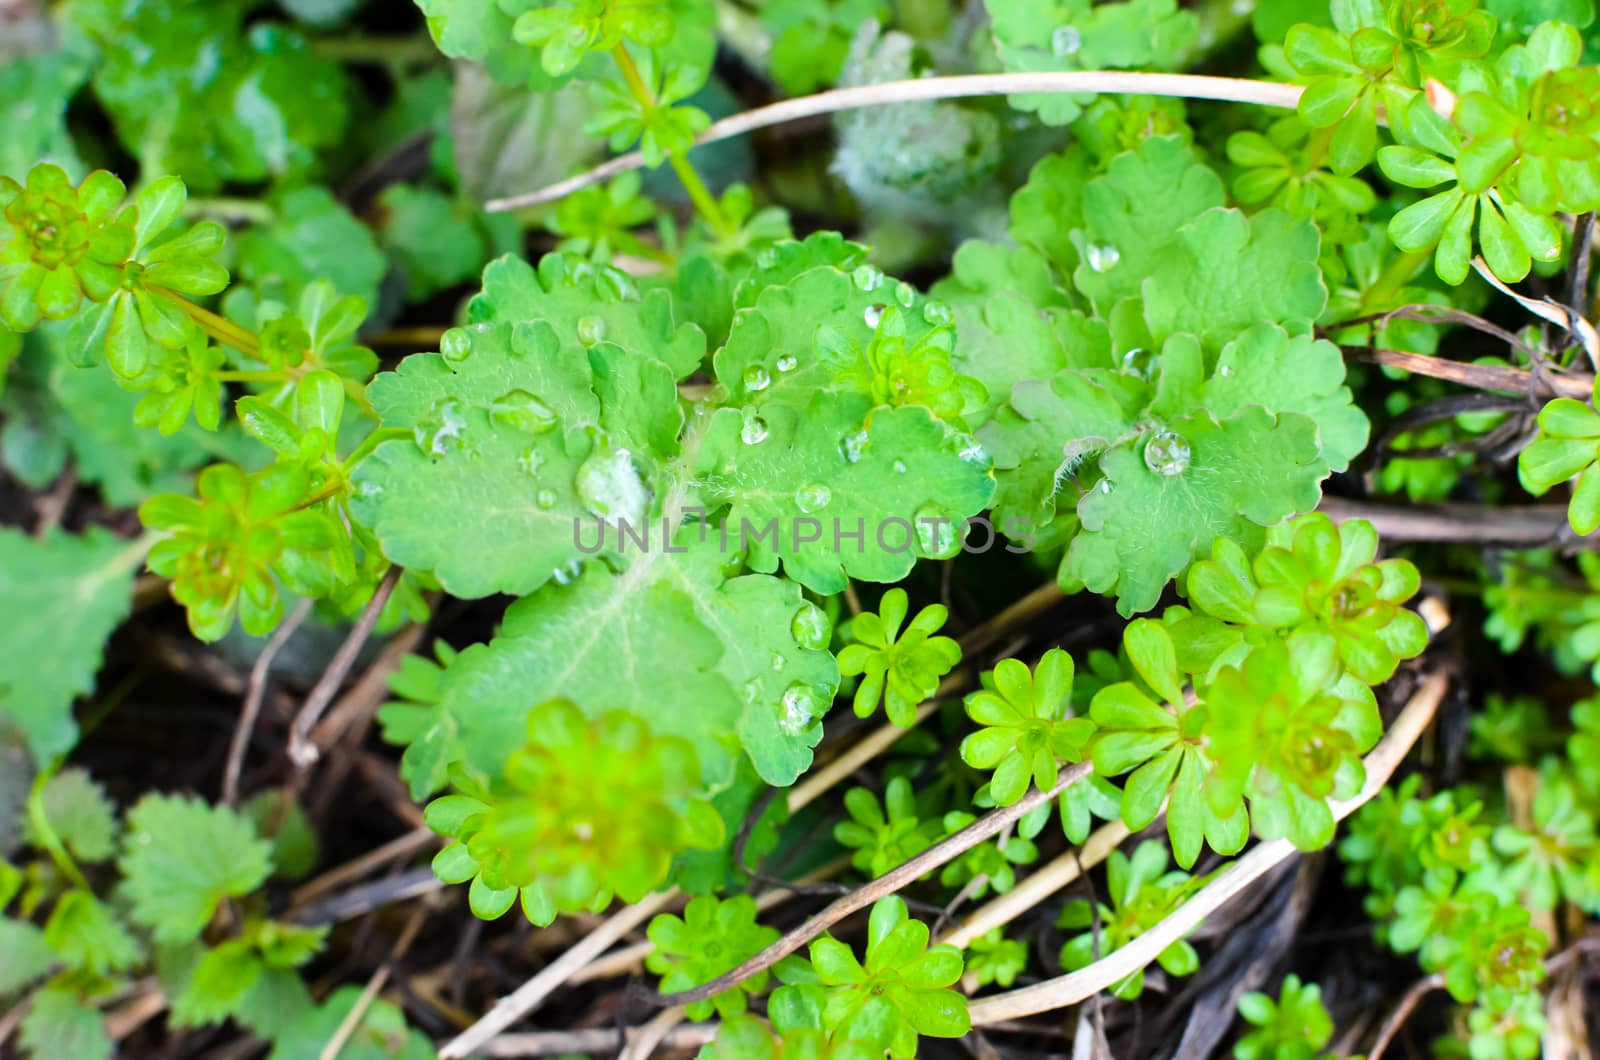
x: 1395, y: 275
x: 371, y: 442
x: 45, y: 834
x: 699, y: 194
x: 220, y: 328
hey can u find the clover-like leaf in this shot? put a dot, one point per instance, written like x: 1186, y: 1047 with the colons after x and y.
x: 712, y: 937
x: 900, y: 669
x: 1026, y: 731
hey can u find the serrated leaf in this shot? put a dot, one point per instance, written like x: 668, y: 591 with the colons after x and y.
x: 715, y: 655
x: 86, y: 935
x: 58, y: 1023
x: 509, y: 138
x: 1228, y: 272
x: 181, y: 857
x: 80, y: 815
x: 75, y: 590
x: 28, y: 955
x: 1141, y: 528
x: 898, y: 474
x: 1131, y: 213
x: 586, y: 304
x: 220, y: 979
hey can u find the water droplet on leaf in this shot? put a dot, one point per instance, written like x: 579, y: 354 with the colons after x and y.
x: 1140, y: 362
x: 522, y: 411
x: 937, y: 314
x: 812, y: 498
x: 591, y: 330
x: 1102, y: 257
x: 753, y: 431
x: 1167, y: 454
x: 872, y: 315
x: 756, y: 379
x: 455, y: 345
x: 899, y: 467
x: 852, y: 446
x: 440, y: 428
x: 1065, y: 41
x: 810, y: 627
x: 867, y: 277
x: 609, y: 485
x: 905, y: 294
x: 545, y: 499
x: 936, y: 532
x: 788, y: 362
x: 800, y: 708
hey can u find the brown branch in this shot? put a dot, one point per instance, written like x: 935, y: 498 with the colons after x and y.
x: 302, y: 751
x: 255, y: 692
x: 1480, y: 376
x: 1528, y: 526
x: 1408, y: 1002
x: 951, y: 847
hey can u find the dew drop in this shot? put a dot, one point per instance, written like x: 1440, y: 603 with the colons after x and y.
x: 545, y: 499
x: 609, y: 486
x: 974, y: 454
x: 618, y: 285
x: 867, y: 277
x: 521, y: 411
x: 1140, y: 362
x: 936, y: 532
x: 812, y: 498
x: 591, y: 330
x: 810, y: 627
x: 852, y: 446
x: 1105, y: 486
x: 752, y: 690
x: 937, y: 314
x: 872, y: 315
x: 899, y: 467
x: 756, y: 379
x: 567, y: 574
x: 531, y: 463
x: 753, y: 431
x: 1102, y: 257
x: 800, y: 708
x: 1167, y: 454
x: 1226, y: 371
x: 788, y: 362
x: 778, y: 661
x: 767, y: 259
x: 455, y: 345
x: 905, y: 294
x: 1065, y: 41
x: 440, y: 428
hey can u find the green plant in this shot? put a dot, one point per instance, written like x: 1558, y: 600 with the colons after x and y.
x: 321, y: 367
x: 1295, y: 1026
x: 1141, y: 892
x: 710, y: 938
x: 898, y: 669
x: 1025, y: 734
x: 900, y: 991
